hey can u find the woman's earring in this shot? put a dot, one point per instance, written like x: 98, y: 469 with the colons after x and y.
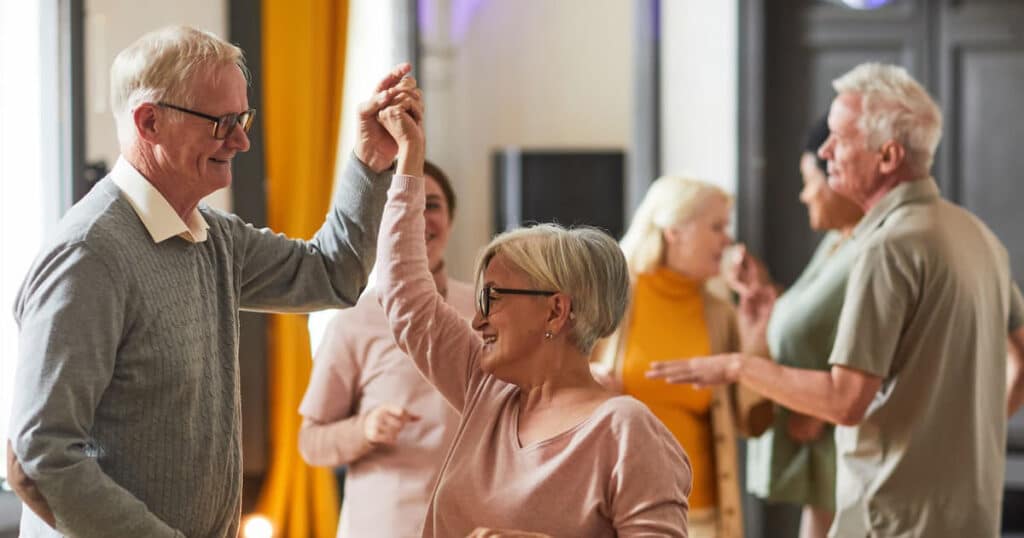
x: 547, y: 335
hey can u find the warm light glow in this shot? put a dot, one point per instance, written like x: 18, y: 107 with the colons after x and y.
x: 257, y: 526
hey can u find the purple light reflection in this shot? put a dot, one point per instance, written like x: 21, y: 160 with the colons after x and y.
x: 866, y: 4
x: 425, y: 17
x: 462, y: 17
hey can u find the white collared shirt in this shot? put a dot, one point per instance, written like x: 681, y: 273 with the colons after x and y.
x: 155, y: 212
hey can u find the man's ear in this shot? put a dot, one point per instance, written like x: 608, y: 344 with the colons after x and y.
x: 147, y: 121
x: 893, y: 156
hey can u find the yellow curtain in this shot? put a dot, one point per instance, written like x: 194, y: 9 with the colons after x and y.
x: 303, y: 72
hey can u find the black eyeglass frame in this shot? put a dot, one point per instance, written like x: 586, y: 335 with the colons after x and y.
x: 483, y: 299
x: 228, y: 120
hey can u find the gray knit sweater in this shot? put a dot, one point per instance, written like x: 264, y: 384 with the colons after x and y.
x: 126, y: 407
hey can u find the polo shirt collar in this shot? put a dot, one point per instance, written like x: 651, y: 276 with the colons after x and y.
x: 908, y: 192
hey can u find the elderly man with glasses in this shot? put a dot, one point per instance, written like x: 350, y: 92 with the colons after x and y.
x: 928, y: 359
x: 126, y: 413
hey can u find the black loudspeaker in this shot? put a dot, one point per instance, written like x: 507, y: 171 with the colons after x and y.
x: 568, y: 187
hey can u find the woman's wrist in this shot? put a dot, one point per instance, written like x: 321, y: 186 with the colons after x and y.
x: 410, y: 160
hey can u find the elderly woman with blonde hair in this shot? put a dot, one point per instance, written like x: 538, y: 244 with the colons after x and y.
x: 542, y: 449
x: 674, y: 248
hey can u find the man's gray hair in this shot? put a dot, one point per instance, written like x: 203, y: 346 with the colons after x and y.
x: 895, y: 107
x: 163, y: 65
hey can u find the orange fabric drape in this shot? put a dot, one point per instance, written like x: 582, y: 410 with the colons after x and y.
x: 303, y: 72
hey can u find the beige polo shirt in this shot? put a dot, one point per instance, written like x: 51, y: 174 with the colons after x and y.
x: 155, y: 212
x: 928, y: 306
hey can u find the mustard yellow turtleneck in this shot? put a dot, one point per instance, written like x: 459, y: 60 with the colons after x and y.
x: 668, y: 323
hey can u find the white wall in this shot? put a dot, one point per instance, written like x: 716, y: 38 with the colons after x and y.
x: 112, y: 25
x: 699, y: 89
x: 370, y: 52
x: 538, y: 73
x: 532, y: 73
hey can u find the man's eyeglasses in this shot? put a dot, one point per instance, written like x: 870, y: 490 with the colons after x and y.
x: 223, y: 125
x: 483, y: 300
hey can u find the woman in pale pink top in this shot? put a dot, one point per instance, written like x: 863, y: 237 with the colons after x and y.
x: 368, y: 406
x: 542, y: 449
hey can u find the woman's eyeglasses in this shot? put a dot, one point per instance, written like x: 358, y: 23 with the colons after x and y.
x: 483, y: 300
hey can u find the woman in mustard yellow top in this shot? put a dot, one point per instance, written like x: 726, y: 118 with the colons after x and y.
x: 674, y: 247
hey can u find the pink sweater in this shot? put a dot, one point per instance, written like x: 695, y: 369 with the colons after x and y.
x: 357, y: 368
x: 618, y: 473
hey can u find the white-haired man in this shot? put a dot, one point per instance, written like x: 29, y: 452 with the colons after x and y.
x: 920, y: 381
x: 126, y: 412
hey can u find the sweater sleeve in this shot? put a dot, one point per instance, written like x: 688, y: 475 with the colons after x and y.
x: 71, y: 315
x: 289, y: 275
x: 332, y: 432
x: 332, y: 444
x: 445, y: 348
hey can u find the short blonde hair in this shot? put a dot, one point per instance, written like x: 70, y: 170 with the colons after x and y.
x: 163, y: 66
x: 584, y: 263
x: 670, y: 201
x: 895, y: 107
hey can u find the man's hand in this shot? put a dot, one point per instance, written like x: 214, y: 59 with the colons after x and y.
x: 482, y: 532
x: 804, y: 428
x: 383, y: 424
x: 26, y: 489
x: 714, y: 370
x: 374, y: 146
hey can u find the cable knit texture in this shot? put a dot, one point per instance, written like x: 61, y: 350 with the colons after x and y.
x: 127, y: 411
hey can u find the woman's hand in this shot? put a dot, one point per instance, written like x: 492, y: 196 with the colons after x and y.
x: 382, y: 425
x: 482, y: 532
x: 746, y: 274
x: 804, y: 428
x: 402, y: 120
x: 753, y: 315
x: 701, y: 372
x: 374, y: 146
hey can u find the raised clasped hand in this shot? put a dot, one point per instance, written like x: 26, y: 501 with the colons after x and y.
x: 375, y: 146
